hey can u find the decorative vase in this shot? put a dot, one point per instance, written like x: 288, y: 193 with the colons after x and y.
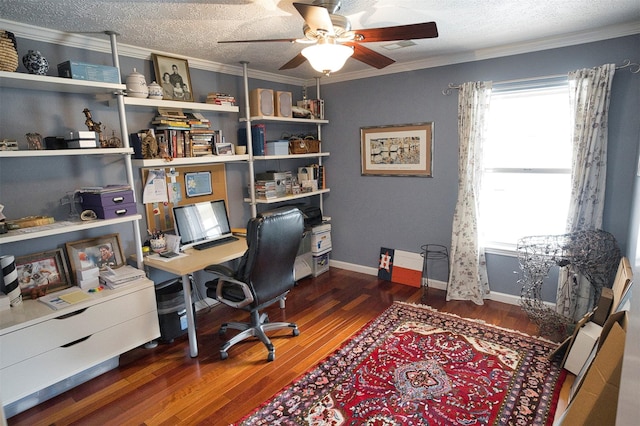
x: 35, y: 63
x: 137, y: 85
x: 158, y: 245
x: 155, y: 91
x: 8, y: 52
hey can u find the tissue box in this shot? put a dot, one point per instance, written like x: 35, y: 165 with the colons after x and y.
x: 280, y: 147
x: 91, y: 72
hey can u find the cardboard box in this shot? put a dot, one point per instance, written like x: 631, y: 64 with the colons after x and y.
x: 320, y: 264
x: 582, y: 346
x: 91, y: 72
x: 604, y: 306
x: 278, y: 147
x: 321, y: 238
x: 596, y: 401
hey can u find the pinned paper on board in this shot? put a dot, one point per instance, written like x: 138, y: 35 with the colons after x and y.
x: 400, y: 266
x: 155, y: 188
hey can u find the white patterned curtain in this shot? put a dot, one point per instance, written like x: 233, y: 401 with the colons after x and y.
x: 589, y: 93
x: 468, y: 278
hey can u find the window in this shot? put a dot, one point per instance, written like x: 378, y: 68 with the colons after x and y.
x: 526, y: 165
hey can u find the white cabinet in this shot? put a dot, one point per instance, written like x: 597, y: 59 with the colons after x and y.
x: 41, y: 347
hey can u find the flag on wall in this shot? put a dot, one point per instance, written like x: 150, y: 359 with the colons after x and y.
x: 400, y: 266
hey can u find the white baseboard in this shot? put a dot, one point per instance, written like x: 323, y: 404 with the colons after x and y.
x: 440, y: 285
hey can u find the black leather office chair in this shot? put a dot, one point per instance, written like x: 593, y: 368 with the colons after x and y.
x: 264, y: 275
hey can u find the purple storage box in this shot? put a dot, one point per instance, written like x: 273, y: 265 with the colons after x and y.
x: 106, y: 199
x: 113, y: 212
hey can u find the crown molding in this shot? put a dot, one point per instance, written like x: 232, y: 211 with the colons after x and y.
x: 84, y: 41
x: 94, y: 43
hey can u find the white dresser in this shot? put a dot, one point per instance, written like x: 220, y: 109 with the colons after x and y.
x: 40, y: 347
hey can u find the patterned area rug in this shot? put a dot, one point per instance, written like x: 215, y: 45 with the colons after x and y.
x: 413, y: 365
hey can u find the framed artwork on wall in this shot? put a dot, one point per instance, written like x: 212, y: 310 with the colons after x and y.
x: 101, y: 252
x: 397, y: 150
x: 173, y: 75
x: 42, y: 273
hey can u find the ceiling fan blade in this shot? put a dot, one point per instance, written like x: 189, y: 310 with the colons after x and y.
x: 289, y: 40
x: 400, y: 32
x: 316, y: 17
x: 369, y: 57
x: 294, y: 63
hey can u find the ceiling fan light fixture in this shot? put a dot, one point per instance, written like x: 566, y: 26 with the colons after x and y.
x: 326, y: 56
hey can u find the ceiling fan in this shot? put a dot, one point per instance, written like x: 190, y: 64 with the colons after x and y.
x: 333, y: 41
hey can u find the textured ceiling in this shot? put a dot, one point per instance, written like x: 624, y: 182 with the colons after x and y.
x: 467, y: 28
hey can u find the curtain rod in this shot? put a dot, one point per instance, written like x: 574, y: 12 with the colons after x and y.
x: 634, y: 68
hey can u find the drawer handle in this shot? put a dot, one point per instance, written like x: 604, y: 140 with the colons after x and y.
x: 76, y: 342
x: 71, y: 314
x: 121, y: 212
x: 117, y: 199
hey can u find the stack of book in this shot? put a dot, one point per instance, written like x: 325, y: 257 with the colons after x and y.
x: 221, y: 99
x: 114, y: 278
x: 168, y: 118
x: 266, y: 189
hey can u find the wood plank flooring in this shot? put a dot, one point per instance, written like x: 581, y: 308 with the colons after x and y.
x: 165, y: 386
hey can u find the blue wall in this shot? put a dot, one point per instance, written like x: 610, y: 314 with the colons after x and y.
x: 367, y: 212
x: 405, y: 212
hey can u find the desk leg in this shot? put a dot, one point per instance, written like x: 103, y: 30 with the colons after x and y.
x: 191, y: 324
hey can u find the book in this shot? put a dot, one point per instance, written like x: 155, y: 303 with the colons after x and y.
x: 64, y: 298
x: 114, y: 278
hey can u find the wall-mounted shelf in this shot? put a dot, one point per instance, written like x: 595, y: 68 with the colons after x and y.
x: 288, y: 197
x: 285, y: 119
x: 189, y: 106
x: 65, y: 152
x: 62, y: 227
x: 47, y: 83
x: 187, y: 161
x: 290, y: 156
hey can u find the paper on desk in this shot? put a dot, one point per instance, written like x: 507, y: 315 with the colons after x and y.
x: 75, y: 297
x: 155, y: 189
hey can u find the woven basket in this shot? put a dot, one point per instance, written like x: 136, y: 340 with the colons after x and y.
x: 303, y: 146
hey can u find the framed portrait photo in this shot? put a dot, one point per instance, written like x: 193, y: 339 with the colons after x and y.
x: 397, y: 150
x: 101, y: 252
x: 42, y: 273
x: 172, y: 74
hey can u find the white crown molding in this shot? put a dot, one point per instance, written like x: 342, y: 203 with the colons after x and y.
x: 84, y: 41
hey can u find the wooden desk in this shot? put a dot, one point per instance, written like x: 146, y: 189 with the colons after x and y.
x: 197, y: 260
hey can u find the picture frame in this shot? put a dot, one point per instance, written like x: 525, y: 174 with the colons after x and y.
x: 172, y: 74
x: 397, y: 150
x: 95, y: 252
x: 42, y: 273
x: 224, y: 148
x: 197, y: 184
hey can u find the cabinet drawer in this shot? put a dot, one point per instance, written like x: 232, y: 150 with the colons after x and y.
x: 30, y: 375
x: 47, y: 335
x: 106, y: 200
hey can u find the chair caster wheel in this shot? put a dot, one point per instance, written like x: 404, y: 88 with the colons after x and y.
x: 222, y: 331
x: 296, y: 332
x: 271, y: 356
x: 223, y: 355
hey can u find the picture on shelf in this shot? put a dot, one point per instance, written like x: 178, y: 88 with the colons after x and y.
x: 173, y: 75
x: 224, y: 148
x: 42, y: 273
x: 102, y: 252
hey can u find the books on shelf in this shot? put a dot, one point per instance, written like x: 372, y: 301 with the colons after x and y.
x: 220, y: 99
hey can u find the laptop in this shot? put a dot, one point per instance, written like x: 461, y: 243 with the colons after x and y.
x: 202, y: 225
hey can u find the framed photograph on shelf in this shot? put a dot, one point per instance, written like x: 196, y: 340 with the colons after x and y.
x: 173, y: 75
x: 397, y: 150
x: 101, y: 252
x: 224, y: 148
x: 42, y: 273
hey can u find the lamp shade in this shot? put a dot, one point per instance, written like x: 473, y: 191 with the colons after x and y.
x: 327, y: 57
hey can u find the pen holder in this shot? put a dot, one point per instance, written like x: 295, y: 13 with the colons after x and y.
x: 158, y: 245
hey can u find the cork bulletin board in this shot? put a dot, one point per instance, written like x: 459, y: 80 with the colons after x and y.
x: 160, y: 215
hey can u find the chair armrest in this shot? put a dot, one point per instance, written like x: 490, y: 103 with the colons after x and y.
x: 225, y: 276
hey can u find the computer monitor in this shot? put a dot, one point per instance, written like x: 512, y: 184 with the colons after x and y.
x: 201, y: 222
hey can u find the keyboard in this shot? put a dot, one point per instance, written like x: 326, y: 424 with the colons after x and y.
x: 209, y: 244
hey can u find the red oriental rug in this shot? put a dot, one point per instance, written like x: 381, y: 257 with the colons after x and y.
x: 413, y: 365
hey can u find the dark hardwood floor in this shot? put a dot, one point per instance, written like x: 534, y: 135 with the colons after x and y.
x: 165, y: 386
